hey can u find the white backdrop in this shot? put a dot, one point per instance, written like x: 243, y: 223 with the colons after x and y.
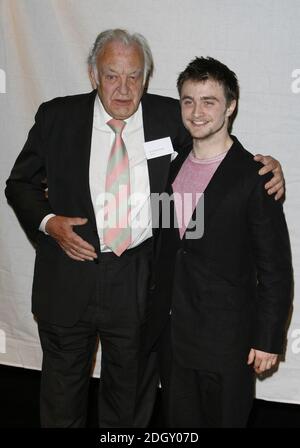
x: 43, y: 50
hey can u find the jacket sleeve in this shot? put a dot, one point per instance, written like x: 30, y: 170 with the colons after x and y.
x: 25, y: 187
x: 271, y: 247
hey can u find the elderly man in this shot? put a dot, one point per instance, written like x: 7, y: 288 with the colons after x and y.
x: 92, y: 272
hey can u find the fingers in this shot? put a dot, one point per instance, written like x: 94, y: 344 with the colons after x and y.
x: 77, y: 248
x: 276, y: 184
x: 74, y: 257
x: 270, y: 164
x: 260, y: 365
x: 264, y: 361
x: 279, y: 193
x: 258, y: 157
x: 77, y: 244
x: 77, y: 221
x: 61, y: 229
x: 251, y: 356
x: 76, y: 254
x: 264, y: 366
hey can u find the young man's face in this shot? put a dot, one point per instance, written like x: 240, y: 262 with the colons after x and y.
x: 204, y: 109
x: 120, y: 72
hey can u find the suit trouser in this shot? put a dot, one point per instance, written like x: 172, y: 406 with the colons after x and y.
x: 195, y: 398
x: 117, y: 314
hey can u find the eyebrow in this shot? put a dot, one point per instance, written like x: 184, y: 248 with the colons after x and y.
x: 187, y: 97
x: 209, y: 98
x: 111, y: 70
x: 136, y: 72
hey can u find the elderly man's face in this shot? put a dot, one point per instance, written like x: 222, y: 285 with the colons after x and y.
x: 120, y: 79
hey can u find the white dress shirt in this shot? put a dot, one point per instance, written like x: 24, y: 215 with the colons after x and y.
x: 102, y: 140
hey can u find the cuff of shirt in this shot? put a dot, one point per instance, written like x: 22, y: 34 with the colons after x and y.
x: 42, y: 227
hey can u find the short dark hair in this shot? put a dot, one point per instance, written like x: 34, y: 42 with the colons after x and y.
x: 202, y: 69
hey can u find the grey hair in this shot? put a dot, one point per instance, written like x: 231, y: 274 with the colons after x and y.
x: 127, y: 39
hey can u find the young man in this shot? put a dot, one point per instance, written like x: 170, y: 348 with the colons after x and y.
x: 231, y: 290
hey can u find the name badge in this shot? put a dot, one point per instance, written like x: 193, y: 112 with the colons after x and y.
x: 159, y: 148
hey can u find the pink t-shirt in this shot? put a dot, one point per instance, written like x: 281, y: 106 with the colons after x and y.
x: 189, y: 185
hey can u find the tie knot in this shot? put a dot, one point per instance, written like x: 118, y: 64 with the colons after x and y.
x: 116, y: 125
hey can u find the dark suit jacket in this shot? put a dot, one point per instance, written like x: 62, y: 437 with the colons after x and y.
x: 58, y: 150
x: 231, y: 289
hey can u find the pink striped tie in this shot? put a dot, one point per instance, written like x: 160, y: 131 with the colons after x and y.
x: 117, y: 233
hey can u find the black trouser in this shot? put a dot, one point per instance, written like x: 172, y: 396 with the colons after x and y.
x: 118, y: 314
x: 194, y: 398
x: 210, y: 399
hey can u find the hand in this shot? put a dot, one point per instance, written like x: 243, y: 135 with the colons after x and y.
x: 276, y: 184
x: 61, y: 229
x: 262, y: 360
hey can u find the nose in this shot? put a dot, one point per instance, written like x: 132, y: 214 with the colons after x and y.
x: 198, y: 109
x: 123, y: 86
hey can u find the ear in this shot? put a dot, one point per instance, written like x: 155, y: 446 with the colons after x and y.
x: 231, y: 108
x: 93, y: 75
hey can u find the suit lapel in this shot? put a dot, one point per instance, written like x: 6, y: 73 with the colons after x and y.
x: 220, y: 184
x: 222, y: 181
x: 177, y: 164
x: 82, y: 119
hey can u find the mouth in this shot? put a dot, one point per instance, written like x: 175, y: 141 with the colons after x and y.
x: 198, y: 123
x: 122, y: 102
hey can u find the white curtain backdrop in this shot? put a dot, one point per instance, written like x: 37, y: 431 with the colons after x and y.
x: 43, y: 50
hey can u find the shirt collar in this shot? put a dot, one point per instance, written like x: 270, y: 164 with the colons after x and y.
x: 101, y: 117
